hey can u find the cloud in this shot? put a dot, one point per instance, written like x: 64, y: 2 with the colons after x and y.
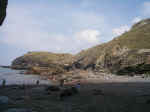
x: 119, y: 31
x: 146, y: 8
x: 30, y: 32
x: 145, y: 13
x: 89, y: 35
x: 136, y: 20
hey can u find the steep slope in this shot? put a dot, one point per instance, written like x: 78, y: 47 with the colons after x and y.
x: 132, y: 49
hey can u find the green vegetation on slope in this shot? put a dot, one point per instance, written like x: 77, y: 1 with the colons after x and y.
x: 138, y: 37
x: 43, y: 62
x: 42, y: 59
x: 130, y: 49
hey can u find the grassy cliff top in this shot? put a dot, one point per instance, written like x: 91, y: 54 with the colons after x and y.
x: 43, y: 58
x: 48, y: 56
x: 137, y: 38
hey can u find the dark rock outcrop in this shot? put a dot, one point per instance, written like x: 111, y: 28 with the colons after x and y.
x: 52, y: 88
x: 68, y: 92
x: 3, y: 7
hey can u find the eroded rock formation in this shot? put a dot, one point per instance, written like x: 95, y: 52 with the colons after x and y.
x: 127, y: 54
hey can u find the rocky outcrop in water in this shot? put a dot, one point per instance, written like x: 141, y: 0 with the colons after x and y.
x: 43, y: 63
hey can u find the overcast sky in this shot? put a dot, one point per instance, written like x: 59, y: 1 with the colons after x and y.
x: 65, y: 25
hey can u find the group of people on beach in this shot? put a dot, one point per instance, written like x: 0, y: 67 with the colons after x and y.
x: 4, y: 82
x: 61, y: 83
x: 65, y: 89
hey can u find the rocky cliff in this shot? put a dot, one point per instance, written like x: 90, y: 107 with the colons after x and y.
x: 3, y: 7
x: 127, y: 54
x: 43, y: 62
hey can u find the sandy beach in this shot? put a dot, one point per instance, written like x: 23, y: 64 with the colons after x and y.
x: 97, y: 94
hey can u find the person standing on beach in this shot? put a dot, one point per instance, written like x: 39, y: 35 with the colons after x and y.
x: 62, y: 82
x: 3, y: 82
x: 78, y: 86
x: 37, y: 82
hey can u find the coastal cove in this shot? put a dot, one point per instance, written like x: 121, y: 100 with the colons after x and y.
x: 14, y: 77
x: 75, y: 56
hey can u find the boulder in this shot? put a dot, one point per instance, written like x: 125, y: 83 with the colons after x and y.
x: 68, y: 92
x: 4, y: 100
x: 98, y: 92
x: 148, y: 102
x: 65, y: 93
x: 74, y: 90
x: 52, y: 88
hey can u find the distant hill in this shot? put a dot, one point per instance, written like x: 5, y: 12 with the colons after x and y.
x: 126, y: 54
x: 40, y: 62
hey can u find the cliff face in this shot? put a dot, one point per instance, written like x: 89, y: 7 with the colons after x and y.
x: 43, y: 62
x: 129, y: 53
x: 3, y: 7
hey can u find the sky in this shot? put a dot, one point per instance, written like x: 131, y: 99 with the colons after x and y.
x: 65, y: 26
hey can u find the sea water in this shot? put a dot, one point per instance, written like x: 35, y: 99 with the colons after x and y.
x: 14, y: 77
